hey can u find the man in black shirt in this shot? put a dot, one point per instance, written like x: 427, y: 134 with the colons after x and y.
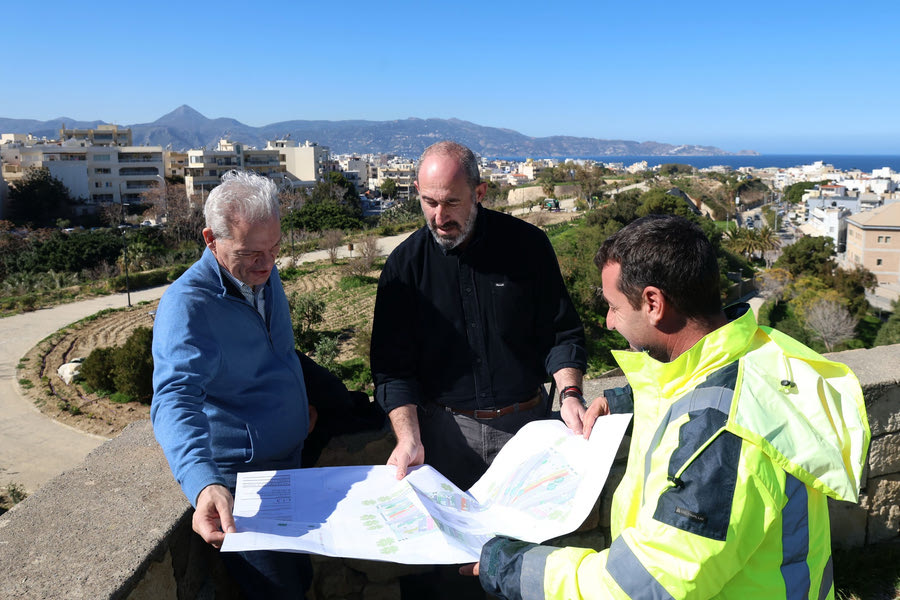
x: 471, y: 316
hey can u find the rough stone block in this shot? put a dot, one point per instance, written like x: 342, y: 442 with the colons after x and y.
x: 884, y: 509
x: 883, y: 456
x: 883, y: 408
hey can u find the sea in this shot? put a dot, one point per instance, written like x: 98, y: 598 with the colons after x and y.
x: 841, y: 162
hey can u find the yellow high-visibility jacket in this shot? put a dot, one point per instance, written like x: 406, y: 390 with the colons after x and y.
x: 736, y: 444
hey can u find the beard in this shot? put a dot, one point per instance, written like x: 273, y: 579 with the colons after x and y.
x: 451, y: 241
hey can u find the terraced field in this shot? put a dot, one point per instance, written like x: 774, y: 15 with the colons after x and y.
x: 348, y: 314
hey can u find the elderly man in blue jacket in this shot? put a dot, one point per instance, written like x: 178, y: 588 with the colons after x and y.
x: 229, y: 392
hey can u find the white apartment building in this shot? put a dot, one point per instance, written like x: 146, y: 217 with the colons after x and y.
x: 356, y: 170
x: 204, y: 168
x: 828, y: 222
x: 872, y: 185
x: 93, y: 173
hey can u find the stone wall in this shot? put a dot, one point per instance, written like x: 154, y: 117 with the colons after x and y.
x: 536, y: 193
x: 118, y: 526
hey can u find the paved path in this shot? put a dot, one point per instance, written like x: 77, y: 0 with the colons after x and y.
x: 385, y: 246
x: 34, y: 448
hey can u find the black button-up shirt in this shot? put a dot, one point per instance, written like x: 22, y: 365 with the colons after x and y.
x: 480, y: 327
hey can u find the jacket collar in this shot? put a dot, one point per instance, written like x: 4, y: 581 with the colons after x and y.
x: 712, y: 352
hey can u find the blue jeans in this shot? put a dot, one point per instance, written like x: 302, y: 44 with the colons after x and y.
x: 461, y: 447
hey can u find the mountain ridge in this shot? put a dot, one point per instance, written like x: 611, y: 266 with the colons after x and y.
x: 186, y: 128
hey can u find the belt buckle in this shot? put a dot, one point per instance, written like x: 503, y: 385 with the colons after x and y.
x: 487, y: 413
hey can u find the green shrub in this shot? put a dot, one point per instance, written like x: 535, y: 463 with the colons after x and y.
x: 356, y: 281
x: 28, y: 302
x: 26, y: 383
x: 15, y: 492
x: 120, y: 398
x: 175, y: 272
x: 356, y: 374
x: 133, y: 366
x: 97, y: 369
x: 307, y: 310
x: 326, y: 352
x: 140, y: 280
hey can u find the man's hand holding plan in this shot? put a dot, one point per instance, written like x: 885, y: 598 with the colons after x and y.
x: 542, y: 484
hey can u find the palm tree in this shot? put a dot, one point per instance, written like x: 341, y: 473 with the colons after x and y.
x: 768, y: 243
x: 740, y: 240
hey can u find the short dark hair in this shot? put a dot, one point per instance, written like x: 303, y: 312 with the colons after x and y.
x: 465, y: 157
x: 668, y: 252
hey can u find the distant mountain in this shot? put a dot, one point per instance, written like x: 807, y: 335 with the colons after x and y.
x: 185, y: 128
x: 48, y: 129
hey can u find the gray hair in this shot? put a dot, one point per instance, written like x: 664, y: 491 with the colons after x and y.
x: 463, y: 156
x: 242, y: 195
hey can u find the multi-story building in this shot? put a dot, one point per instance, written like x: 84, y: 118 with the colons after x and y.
x: 831, y: 222
x: 103, y: 135
x: 175, y: 163
x: 204, y: 168
x: 356, y: 170
x: 873, y: 241
x: 92, y: 173
x: 404, y: 175
x: 307, y: 163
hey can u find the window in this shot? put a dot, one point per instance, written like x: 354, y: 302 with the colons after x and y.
x: 878, y: 262
x: 880, y: 239
x: 101, y: 157
x: 887, y: 239
x: 102, y: 171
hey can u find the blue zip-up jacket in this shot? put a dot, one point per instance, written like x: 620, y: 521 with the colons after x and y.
x: 228, y: 390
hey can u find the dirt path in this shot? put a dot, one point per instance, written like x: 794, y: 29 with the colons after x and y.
x: 33, y: 448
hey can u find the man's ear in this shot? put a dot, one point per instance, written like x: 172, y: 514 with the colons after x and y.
x: 480, y: 191
x: 654, y: 304
x: 209, y: 238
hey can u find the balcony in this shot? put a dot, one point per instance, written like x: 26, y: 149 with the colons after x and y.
x: 138, y: 171
x: 117, y: 526
x: 126, y: 159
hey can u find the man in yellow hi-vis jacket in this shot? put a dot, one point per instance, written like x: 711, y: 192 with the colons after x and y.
x: 740, y: 433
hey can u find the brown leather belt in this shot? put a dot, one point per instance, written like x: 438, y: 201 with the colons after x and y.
x: 493, y: 413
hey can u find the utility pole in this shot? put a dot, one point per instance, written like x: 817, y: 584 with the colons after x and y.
x: 124, y: 227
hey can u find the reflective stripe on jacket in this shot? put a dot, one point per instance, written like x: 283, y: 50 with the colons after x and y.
x: 736, y: 444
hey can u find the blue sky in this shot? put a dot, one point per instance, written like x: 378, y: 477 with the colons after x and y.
x: 793, y: 76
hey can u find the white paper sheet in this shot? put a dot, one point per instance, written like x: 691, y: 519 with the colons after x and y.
x: 542, y: 484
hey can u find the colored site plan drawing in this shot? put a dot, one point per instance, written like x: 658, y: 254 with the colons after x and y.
x: 543, y: 484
